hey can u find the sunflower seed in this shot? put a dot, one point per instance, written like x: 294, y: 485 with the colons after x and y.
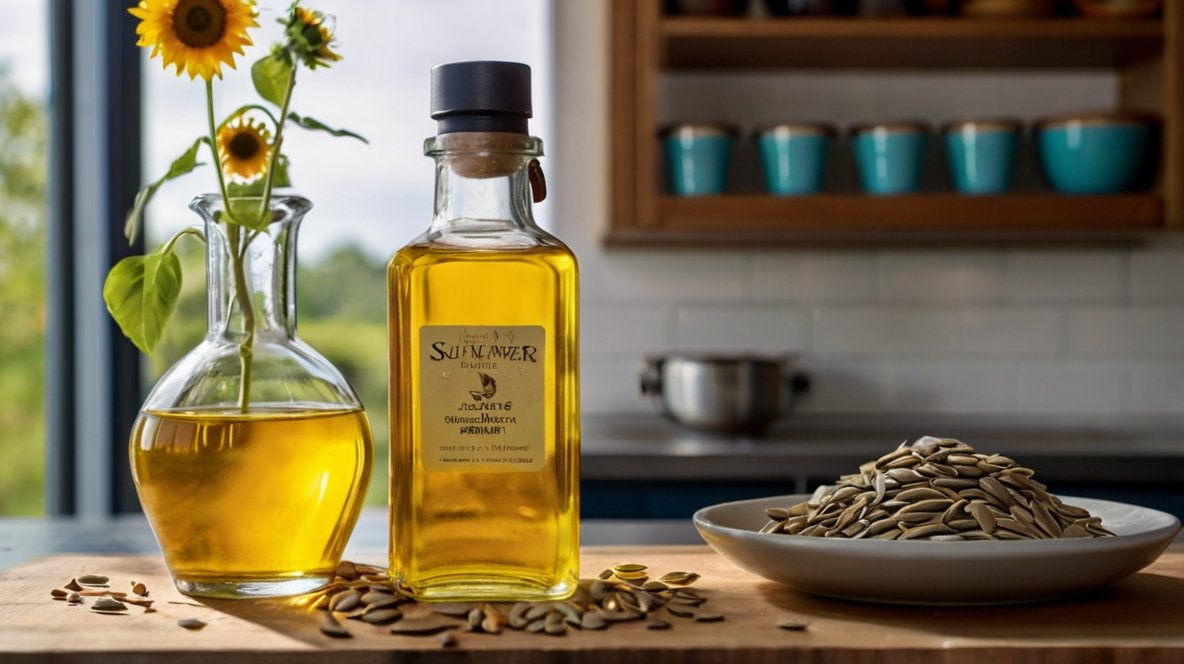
x: 679, y: 578
x: 381, y: 616
x: 553, y: 624
x: 592, y: 620
x: 927, y: 530
x: 793, y: 625
x: 347, y: 570
x: 345, y: 601
x: 377, y: 600
x: 333, y: 629
x: 92, y: 580
x: 108, y: 605
x: 454, y: 609
x: 191, y: 623
x: 777, y: 513
x: 1045, y: 521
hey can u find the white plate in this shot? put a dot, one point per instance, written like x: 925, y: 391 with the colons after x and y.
x: 921, y: 572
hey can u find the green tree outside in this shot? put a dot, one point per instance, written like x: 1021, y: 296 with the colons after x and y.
x: 22, y: 301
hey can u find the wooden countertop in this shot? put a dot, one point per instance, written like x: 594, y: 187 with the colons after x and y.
x: 1139, y: 620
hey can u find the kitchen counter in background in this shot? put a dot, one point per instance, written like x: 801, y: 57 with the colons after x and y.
x: 643, y: 466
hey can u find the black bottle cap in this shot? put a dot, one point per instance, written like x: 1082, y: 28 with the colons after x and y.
x: 481, y: 95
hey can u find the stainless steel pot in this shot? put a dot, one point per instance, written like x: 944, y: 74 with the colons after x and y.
x: 731, y: 394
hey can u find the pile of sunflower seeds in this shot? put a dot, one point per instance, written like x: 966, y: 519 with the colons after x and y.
x: 620, y: 594
x: 937, y: 489
x: 105, y: 600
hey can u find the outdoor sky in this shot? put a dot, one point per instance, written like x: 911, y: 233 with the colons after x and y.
x: 378, y: 196
x: 24, y: 44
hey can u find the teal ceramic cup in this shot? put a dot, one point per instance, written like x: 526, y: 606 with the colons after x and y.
x: 793, y: 157
x: 697, y: 158
x: 981, y: 155
x: 1097, y: 154
x: 889, y: 156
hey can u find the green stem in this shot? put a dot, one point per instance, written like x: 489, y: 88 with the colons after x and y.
x: 192, y: 230
x: 249, y: 107
x: 279, y: 140
x: 241, y: 292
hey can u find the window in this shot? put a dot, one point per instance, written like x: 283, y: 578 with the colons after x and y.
x: 368, y: 199
x: 24, y: 94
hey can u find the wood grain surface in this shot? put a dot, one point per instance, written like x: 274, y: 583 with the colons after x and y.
x: 1139, y: 620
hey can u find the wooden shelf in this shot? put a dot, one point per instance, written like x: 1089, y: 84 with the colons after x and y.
x: 868, y: 43
x: 1146, y: 58
x: 738, y: 219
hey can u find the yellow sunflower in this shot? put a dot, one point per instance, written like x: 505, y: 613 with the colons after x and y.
x: 244, y: 147
x: 315, y: 35
x: 197, y: 36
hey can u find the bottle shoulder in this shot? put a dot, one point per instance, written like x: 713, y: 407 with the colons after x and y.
x: 426, y: 249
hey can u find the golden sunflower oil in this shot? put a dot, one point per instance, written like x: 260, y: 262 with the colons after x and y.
x: 261, y: 497
x: 483, y: 363
x: 469, y: 523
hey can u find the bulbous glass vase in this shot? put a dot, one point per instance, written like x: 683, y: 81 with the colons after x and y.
x: 252, y: 454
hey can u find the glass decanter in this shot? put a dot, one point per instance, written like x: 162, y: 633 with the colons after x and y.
x: 252, y: 454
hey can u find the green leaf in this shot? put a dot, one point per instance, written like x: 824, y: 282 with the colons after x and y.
x: 281, y: 178
x: 185, y: 163
x: 180, y: 166
x: 246, y: 212
x: 316, y: 125
x: 141, y: 294
x: 271, y: 76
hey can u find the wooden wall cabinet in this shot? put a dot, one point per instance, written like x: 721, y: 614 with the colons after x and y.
x: 1147, y: 55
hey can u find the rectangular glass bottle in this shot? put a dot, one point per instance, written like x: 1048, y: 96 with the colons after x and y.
x: 484, y: 404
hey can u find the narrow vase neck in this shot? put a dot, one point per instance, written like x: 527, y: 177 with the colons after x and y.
x: 248, y: 266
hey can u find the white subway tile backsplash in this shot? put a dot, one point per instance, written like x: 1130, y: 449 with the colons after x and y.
x: 941, y: 275
x: 630, y: 276
x: 842, y: 388
x: 1157, y: 389
x: 611, y: 384
x: 756, y: 329
x: 947, y: 388
x: 909, y: 387
x: 1157, y: 275
x: 625, y: 327
x: 1065, y: 275
x: 1127, y: 331
x: 917, y: 330
x: 814, y: 275
x: 1070, y: 388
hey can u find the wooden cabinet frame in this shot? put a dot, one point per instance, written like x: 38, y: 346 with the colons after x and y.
x: 1147, y: 54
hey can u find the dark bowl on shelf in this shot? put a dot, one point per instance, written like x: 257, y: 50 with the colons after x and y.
x: 812, y: 7
x: 707, y: 7
x: 931, y: 7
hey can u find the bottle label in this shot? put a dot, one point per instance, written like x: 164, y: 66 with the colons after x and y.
x: 481, y: 397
